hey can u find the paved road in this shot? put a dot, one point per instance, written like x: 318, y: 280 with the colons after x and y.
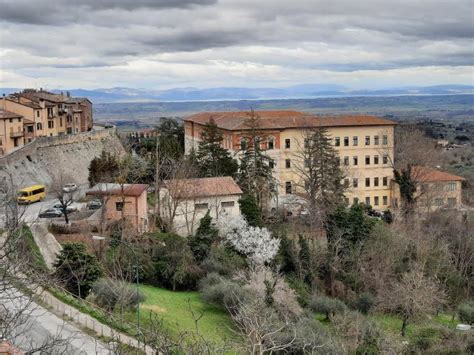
x: 39, y: 324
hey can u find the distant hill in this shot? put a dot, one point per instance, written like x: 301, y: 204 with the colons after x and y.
x: 122, y: 94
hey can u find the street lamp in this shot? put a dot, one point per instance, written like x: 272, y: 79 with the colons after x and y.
x: 101, y: 239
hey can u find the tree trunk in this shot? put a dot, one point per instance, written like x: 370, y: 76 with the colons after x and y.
x: 404, y: 327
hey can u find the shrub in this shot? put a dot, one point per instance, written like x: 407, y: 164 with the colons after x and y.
x: 303, y: 291
x: 364, y: 303
x: 222, y: 292
x: 466, y: 312
x: 109, y: 293
x: 327, y: 305
x: 200, y: 243
x: 223, y: 261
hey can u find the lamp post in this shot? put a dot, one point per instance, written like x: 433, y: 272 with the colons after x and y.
x: 101, y: 239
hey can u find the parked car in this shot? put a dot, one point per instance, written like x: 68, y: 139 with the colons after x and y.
x: 69, y: 187
x: 69, y: 209
x: 51, y: 213
x: 94, y: 204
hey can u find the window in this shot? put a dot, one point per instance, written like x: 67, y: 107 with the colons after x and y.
x: 376, y: 181
x: 346, y: 141
x: 288, y: 187
x: 60, y: 121
x: 367, y: 140
x: 346, y: 183
x: 37, y: 113
x: 355, y: 160
x: 385, y: 159
x: 355, y: 182
x: 451, y: 186
x: 385, y: 181
x: 243, y: 144
x: 376, y: 201
x: 119, y: 206
x: 338, y: 161
x: 376, y: 159
x: 288, y: 163
x: 271, y: 164
x: 355, y: 141
x: 39, y: 126
x: 439, y: 201
x: 452, y: 201
x: 1, y: 143
x: 50, y: 124
x: 346, y: 200
x: 337, y: 141
x: 367, y: 182
x: 271, y: 143
x: 287, y: 143
x: 356, y: 200
x: 201, y: 206
x: 385, y: 200
x: 367, y: 201
x: 384, y: 139
x: 29, y: 129
x: 376, y: 140
x: 346, y: 161
x: 227, y: 204
x: 367, y: 160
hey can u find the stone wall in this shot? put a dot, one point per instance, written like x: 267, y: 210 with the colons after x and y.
x: 66, y: 157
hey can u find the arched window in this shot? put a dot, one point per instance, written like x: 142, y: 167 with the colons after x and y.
x: 243, y: 144
x: 271, y: 143
x: 39, y: 126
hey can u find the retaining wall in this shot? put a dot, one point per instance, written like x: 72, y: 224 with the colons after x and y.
x: 68, y: 157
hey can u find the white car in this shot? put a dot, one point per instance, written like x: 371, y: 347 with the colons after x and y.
x: 69, y: 187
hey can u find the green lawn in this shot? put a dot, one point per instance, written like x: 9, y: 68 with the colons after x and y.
x: 174, y: 307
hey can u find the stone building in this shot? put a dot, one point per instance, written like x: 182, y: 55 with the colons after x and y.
x: 364, y: 144
x: 11, y: 131
x: 183, y: 202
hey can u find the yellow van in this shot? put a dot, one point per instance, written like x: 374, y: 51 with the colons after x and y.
x: 31, y: 194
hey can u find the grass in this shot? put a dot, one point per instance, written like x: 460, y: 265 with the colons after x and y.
x: 174, y: 308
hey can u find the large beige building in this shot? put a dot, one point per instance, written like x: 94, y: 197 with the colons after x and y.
x: 11, y: 131
x: 364, y: 144
x: 46, y: 114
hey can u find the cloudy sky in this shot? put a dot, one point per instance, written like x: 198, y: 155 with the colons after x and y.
x: 254, y: 43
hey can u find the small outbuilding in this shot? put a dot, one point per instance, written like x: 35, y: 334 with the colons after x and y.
x: 123, y: 202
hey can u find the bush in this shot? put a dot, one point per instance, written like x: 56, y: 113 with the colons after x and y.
x: 223, y: 261
x: 466, y: 312
x: 222, y: 292
x: 327, y: 305
x: 364, y: 303
x: 303, y: 291
x: 109, y: 293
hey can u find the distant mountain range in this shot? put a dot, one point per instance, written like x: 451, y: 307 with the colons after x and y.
x: 121, y: 94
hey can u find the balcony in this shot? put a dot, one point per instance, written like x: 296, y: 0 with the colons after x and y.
x: 16, y: 134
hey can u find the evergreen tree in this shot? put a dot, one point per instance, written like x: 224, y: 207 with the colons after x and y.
x: 77, y: 269
x: 255, y: 175
x: 250, y: 210
x: 212, y: 158
x: 200, y: 243
x: 320, y: 175
x: 304, y: 257
x: 287, y: 256
x: 103, y: 168
x: 407, y: 184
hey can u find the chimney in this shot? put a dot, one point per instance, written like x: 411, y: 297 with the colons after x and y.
x: 42, y: 103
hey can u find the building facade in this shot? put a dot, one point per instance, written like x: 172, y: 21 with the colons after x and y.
x: 183, y: 202
x: 123, y: 202
x: 46, y: 114
x: 364, y: 144
x: 435, y: 189
x: 11, y: 131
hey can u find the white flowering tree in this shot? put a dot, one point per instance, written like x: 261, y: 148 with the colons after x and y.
x: 254, y: 242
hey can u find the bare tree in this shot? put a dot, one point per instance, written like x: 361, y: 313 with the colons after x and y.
x: 412, y: 297
x: 64, y: 196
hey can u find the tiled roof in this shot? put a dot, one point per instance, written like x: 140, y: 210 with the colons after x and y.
x: 284, y: 119
x: 424, y: 174
x: 106, y: 189
x: 31, y: 104
x: 4, y: 114
x: 45, y: 95
x: 27, y: 121
x: 203, y: 187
